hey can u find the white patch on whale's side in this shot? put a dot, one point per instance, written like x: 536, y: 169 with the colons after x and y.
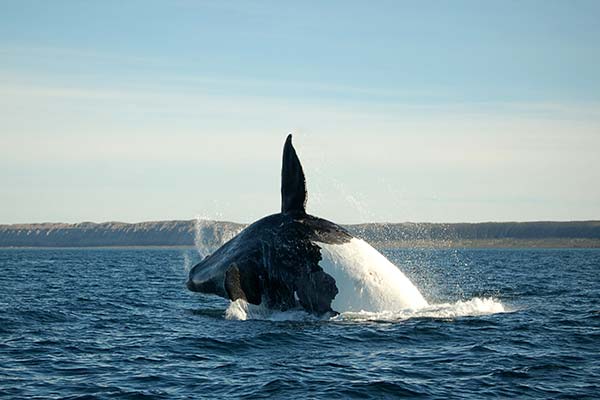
x: 366, y: 280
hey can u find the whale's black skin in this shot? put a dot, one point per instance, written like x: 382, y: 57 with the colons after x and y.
x: 276, y: 259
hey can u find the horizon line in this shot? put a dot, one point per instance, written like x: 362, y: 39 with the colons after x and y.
x: 347, y: 224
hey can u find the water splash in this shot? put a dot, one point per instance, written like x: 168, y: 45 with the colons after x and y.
x: 188, y: 262
x: 241, y: 310
x: 200, y: 242
x: 209, y: 235
x: 470, y: 308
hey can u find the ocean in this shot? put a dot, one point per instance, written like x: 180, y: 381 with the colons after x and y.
x: 119, y: 323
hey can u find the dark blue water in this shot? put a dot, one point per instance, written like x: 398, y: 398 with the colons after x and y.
x: 119, y: 323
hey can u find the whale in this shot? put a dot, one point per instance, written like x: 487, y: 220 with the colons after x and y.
x: 294, y: 260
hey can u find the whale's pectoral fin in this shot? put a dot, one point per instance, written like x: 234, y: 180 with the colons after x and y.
x: 293, y: 184
x: 316, y: 292
x: 242, y: 285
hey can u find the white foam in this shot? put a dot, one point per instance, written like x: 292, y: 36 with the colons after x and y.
x: 241, y: 310
x: 205, y: 245
x: 474, y: 307
x: 366, y: 280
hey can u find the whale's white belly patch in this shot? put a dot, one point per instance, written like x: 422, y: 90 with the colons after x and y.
x: 367, y: 280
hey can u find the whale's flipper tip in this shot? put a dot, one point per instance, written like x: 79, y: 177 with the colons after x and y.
x: 242, y: 284
x: 293, y: 183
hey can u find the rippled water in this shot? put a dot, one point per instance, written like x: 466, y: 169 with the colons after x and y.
x: 120, y: 323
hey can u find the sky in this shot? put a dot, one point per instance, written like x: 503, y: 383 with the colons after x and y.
x: 425, y: 111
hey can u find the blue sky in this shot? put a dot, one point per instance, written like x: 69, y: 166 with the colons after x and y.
x: 437, y: 111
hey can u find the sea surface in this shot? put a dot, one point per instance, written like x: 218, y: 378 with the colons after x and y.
x: 119, y: 323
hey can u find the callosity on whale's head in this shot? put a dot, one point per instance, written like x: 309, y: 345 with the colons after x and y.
x: 279, y: 259
x: 276, y: 259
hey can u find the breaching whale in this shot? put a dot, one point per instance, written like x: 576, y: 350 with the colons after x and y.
x: 292, y: 259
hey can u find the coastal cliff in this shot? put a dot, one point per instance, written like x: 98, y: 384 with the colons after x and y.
x: 213, y: 233
x: 90, y: 234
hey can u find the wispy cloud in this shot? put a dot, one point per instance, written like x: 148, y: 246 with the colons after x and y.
x: 395, y: 147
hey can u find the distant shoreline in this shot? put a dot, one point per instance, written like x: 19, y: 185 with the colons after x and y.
x: 482, y: 245
x: 210, y: 234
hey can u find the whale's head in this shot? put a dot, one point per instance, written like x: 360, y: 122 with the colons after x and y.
x: 276, y: 261
x: 238, y: 260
